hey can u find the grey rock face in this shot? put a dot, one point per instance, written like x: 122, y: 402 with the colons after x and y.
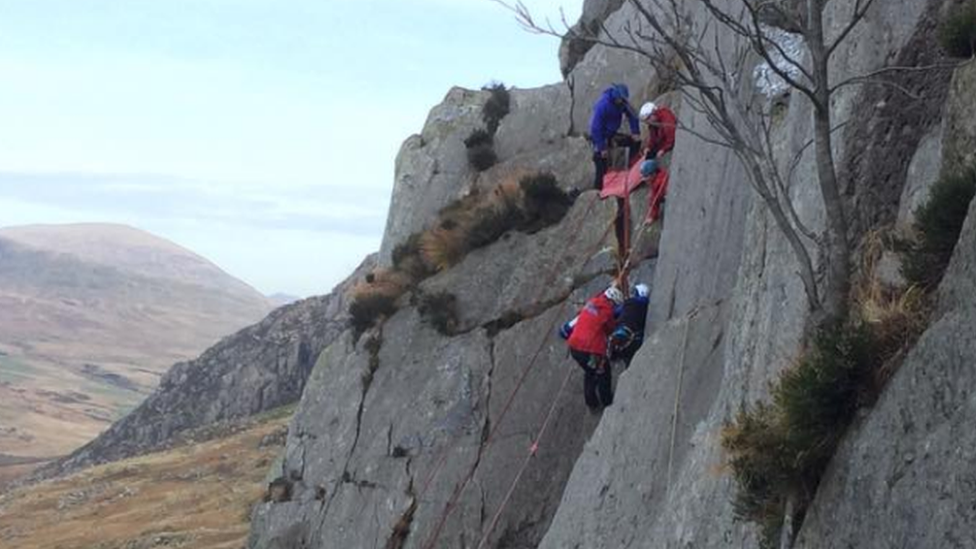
x: 537, y: 117
x: 728, y: 310
x: 960, y: 120
x: 259, y: 368
x: 567, y: 158
x: 385, y: 439
x: 572, y: 50
x: 905, y: 476
x: 922, y: 173
x: 727, y: 294
x: 432, y: 167
x: 521, y: 272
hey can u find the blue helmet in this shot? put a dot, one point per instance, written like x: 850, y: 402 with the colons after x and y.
x: 648, y: 167
x: 620, y: 91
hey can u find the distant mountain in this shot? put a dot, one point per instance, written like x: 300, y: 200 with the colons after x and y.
x: 280, y: 299
x: 92, y: 315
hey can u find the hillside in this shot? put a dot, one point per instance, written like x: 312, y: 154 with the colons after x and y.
x: 258, y: 368
x: 92, y: 316
x: 190, y: 496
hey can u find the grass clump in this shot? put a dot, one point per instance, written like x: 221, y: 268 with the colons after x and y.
x: 777, y: 452
x: 439, y: 310
x: 480, y: 142
x: 957, y: 33
x: 478, y: 137
x: 375, y: 298
x: 407, y: 258
x: 545, y: 203
x: 482, y: 157
x: 481, y: 149
x: 527, y: 204
x: 496, y: 107
x: 367, y: 309
x: 938, y: 223
x: 894, y: 314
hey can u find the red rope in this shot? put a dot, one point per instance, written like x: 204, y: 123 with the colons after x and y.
x: 444, y: 452
x: 533, y: 449
x: 624, y: 252
x: 449, y: 508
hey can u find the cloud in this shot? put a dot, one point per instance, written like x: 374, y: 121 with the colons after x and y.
x: 334, y: 210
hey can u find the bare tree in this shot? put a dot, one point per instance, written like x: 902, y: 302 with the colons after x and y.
x: 709, y: 54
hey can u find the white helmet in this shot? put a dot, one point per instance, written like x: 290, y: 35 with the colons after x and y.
x: 647, y: 109
x: 614, y: 294
x: 641, y: 290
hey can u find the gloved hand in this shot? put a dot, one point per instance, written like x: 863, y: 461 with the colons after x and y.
x: 566, y: 330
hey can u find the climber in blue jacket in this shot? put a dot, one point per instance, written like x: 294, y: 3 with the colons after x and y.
x: 607, y: 116
x: 628, y: 336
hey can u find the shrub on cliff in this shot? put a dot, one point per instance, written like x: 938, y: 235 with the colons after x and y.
x: 957, y: 33
x: 496, y: 107
x: 777, y: 452
x: 375, y: 298
x: 938, y: 222
x: 544, y: 202
x: 481, y: 152
x: 407, y: 258
x: 440, y: 310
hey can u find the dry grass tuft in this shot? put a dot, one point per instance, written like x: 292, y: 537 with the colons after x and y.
x: 443, y: 246
x: 520, y: 201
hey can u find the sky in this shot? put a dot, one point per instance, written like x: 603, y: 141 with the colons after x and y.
x: 260, y: 134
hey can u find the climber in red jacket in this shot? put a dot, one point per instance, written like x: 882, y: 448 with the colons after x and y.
x: 661, y: 125
x: 587, y: 338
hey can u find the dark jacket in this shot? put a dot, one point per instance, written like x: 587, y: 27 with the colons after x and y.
x: 633, y: 315
x: 607, y: 118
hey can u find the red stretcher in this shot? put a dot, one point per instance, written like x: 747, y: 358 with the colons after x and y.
x: 620, y: 183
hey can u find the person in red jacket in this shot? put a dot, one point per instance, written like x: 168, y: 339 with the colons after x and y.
x: 661, y: 125
x: 587, y: 338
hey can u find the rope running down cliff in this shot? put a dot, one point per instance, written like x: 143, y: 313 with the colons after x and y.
x: 452, y: 503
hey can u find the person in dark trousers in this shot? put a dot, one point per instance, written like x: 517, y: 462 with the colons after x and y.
x: 587, y: 338
x: 608, y: 112
x: 628, y: 336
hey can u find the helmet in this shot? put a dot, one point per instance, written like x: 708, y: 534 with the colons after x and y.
x: 620, y: 91
x: 647, y: 109
x: 614, y: 294
x: 648, y: 167
x: 641, y: 290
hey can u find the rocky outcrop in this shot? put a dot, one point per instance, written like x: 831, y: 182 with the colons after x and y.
x: 729, y: 314
x: 537, y: 117
x: 259, y: 368
x: 432, y: 167
x: 905, y: 476
x: 960, y: 113
x: 391, y: 427
x: 575, y: 43
x: 526, y: 271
